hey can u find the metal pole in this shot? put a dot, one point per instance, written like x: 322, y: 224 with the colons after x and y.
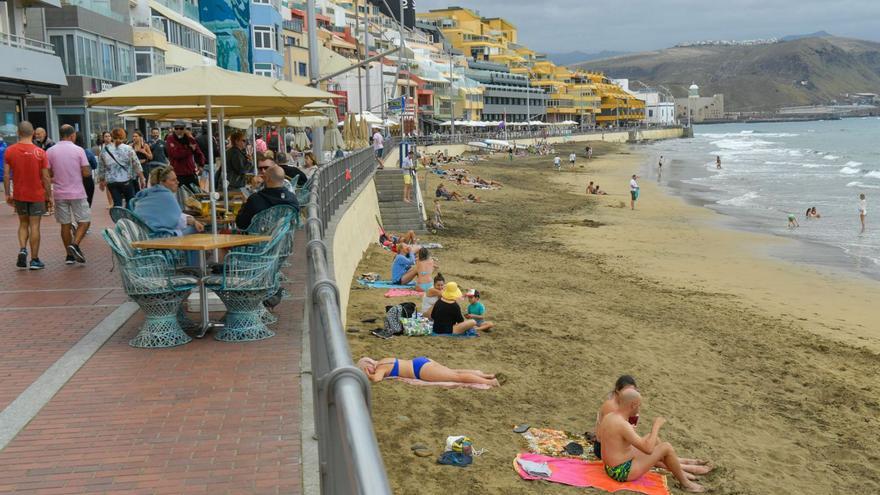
x: 450, y: 95
x: 366, y: 55
x: 254, y: 140
x: 314, y: 73
x: 222, y: 140
x: 212, y: 173
x: 360, y: 59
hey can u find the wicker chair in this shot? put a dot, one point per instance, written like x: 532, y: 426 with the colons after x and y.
x: 247, y: 279
x: 150, y: 281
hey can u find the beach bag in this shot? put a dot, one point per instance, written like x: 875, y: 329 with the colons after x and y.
x: 460, y: 444
x: 393, y: 314
x: 417, y: 327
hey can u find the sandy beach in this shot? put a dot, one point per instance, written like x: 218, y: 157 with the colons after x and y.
x: 765, y: 367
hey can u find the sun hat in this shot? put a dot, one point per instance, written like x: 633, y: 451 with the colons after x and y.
x: 473, y: 293
x: 451, y: 291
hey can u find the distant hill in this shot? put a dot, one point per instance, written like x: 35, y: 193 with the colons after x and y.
x: 817, y: 34
x: 579, y: 56
x: 803, y: 71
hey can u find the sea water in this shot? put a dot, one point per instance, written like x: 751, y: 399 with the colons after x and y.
x: 771, y: 170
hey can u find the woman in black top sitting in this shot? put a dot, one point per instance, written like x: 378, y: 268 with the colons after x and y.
x: 446, y: 312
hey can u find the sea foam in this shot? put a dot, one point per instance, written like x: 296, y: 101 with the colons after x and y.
x: 743, y: 200
x: 850, y: 171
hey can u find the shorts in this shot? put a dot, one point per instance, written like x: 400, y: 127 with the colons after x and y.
x: 407, y: 179
x: 30, y: 209
x: 68, y: 211
x: 379, y: 152
x: 634, y: 194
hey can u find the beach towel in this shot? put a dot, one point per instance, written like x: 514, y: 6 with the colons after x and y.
x: 384, y: 284
x: 575, y: 472
x: 549, y: 442
x: 413, y: 381
x: 432, y: 245
x: 403, y: 293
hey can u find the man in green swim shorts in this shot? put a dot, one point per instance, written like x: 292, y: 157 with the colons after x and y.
x: 626, y: 455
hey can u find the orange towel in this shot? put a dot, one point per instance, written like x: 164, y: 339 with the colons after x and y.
x: 576, y: 472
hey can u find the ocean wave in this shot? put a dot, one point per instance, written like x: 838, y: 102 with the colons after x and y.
x: 740, y: 144
x: 853, y: 164
x: 862, y: 185
x: 815, y: 165
x: 874, y: 174
x: 743, y: 200
x: 831, y: 157
x: 850, y: 171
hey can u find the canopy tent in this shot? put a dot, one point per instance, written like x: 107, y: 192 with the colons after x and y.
x: 210, y: 85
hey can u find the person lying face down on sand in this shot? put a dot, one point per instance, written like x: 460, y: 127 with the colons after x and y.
x: 421, y: 368
x: 612, y: 403
x: 628, y: 456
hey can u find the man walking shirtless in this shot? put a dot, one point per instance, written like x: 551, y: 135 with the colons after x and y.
x: 628, y: 456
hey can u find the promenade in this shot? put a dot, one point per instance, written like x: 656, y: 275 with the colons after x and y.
x: 82, y: 412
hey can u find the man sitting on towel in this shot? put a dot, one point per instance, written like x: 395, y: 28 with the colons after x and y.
x: 626, y: 455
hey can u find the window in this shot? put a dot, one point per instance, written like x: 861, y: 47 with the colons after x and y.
x: 108, y: 61
x: 303, y: 69
x: 125, y: 68
x: 143, y: 62
x: 264, y: 70
x: 264, y: 37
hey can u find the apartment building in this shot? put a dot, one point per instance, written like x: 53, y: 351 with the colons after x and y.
x: 31, y: 66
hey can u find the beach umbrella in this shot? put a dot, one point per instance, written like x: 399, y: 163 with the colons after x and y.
x: 349, y: 132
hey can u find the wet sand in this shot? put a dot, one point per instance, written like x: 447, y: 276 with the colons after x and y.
x: 765, y: 367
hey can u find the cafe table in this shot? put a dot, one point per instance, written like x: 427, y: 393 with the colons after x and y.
x: 202, y: 243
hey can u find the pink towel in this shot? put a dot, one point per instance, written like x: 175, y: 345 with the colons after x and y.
x: 412, y: 381
x: 403, y: 293
x: 576, y: 472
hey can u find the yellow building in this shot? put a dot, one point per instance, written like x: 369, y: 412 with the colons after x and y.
x: 588, y: 98
x: 296, y: 51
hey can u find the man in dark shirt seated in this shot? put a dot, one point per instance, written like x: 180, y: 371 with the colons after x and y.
x: 273, y: 194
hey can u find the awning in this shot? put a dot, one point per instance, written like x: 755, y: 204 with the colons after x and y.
x: 341, y: 43
x: 181, y: 57
x: 181, y: 19
x: 37, y: 72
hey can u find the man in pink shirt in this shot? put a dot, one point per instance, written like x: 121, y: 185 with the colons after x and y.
x: 68, y: 165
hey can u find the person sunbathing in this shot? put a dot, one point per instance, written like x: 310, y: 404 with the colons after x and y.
x: 421, y: 368
x: 626, y: 455
x: 442, y: 192
x: 612, y: 403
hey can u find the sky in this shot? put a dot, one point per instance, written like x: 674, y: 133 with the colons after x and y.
x: 558, y: 26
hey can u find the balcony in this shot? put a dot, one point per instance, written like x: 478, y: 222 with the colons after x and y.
x: 30, y: 66
x: 14, y: 41
x: 295, y: 25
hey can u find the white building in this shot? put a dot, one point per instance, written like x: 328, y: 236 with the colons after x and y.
x: 659, y: 106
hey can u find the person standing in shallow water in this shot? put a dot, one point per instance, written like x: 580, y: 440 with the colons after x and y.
x: 718, y: 162
x: 863, y: 210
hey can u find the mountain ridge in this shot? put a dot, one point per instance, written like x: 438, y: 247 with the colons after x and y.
x: 807, y: 70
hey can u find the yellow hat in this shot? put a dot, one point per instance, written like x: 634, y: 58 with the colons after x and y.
x: 451, y: 291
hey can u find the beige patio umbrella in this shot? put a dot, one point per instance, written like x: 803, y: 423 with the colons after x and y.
x: 363, y: 133
x: 332, y: 137
x: 209, y: 85
x: 301, y: 141
x: 350, y: 133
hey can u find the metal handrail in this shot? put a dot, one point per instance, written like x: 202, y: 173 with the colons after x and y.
x: 15, y: 41
x: 350, y: 461
x: 461, y: 137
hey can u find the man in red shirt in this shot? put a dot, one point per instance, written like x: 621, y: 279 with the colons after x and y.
x: 27, y: 167
x: 184, y: 154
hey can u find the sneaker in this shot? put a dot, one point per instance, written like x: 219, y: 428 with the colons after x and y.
x: 22, y: 259
x: 76, y: 252
x: 69, y: 260
x: 36, y: 264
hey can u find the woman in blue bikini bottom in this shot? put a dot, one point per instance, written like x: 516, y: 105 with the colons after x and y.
x: 421, y: 368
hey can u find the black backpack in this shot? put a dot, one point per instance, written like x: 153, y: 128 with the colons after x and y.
x: 393, y: 314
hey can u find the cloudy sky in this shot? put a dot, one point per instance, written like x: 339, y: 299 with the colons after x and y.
x: 569, y: 25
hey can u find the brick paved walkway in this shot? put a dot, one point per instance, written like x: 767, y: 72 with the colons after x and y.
x: 207, y: 417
